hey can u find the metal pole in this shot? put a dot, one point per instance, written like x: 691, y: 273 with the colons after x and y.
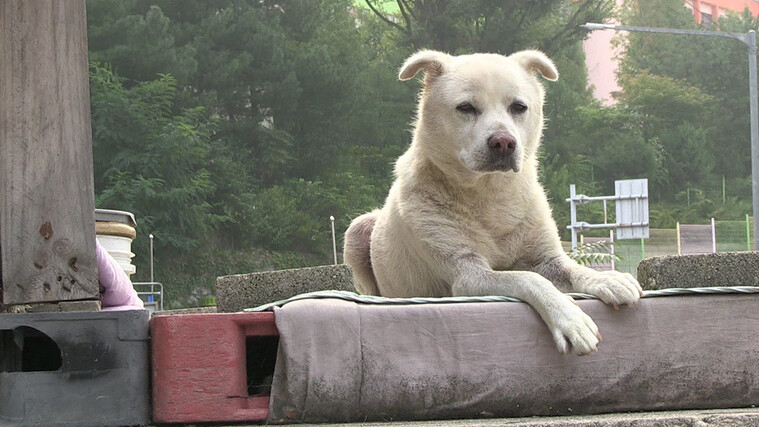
x: 573, y: 214
x: 151, y: 297
x: 754, y: 112
x: 592, y: 26
x: 151, y: 260
x: 334, y: 243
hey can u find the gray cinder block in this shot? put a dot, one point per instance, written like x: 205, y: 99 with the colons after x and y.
x: 238, y: 292
x: 693, y: 271
x: 74, y: 368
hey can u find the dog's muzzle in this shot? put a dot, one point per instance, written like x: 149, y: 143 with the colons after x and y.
x: 501, y: 147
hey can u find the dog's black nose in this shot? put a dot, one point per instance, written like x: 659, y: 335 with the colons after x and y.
x: 502, y: 143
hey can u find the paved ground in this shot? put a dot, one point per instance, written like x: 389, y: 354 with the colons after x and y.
x: 698, y: 418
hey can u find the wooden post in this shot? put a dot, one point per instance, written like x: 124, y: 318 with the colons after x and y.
x: 47, y: 223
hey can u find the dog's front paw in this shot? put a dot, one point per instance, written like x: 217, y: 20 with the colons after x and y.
x: 574, y: 330
x: 611, y: 287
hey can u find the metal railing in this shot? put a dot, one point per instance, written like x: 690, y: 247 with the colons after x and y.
x: 631, y: 203
x: 150, y: 293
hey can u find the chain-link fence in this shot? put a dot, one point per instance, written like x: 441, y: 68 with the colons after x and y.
x: 733, y: 236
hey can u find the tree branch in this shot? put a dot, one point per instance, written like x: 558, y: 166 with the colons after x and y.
x: 404, y: 7
x: 572, y: 24
x: 525, y: 13
x: 384, y: 18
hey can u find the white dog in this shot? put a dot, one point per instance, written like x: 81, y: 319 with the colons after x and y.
x: 466, y: 214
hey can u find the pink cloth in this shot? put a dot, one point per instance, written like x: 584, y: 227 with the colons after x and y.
x: 116, y: 290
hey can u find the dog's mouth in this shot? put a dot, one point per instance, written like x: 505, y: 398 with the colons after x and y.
x: 500, y: 164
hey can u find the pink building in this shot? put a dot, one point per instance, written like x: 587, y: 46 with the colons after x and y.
x: 601, y: 55
x: 600, y: 59
x: 709, y: 11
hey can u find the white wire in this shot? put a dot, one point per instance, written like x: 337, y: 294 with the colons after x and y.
x: 371, y: 299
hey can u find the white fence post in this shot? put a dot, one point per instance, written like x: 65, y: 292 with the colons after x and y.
x: 714, y: 238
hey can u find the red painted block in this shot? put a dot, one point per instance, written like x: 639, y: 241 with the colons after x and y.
x: 199, y: 366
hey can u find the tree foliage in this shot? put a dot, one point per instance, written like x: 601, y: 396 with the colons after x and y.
x: 593, y: 253
x: 465, y: 26
x: 151, y: 161
x: 243, y: 124
x: 711, y: 72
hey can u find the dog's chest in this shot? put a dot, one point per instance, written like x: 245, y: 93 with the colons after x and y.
x: 497, y: 229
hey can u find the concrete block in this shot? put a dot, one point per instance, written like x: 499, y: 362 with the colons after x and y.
x: 703, y: 270
x: 238, y: 292
x: 74, y: 368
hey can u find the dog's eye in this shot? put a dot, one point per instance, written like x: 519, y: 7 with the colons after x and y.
x: 517, y: 108
x: 466, y: 108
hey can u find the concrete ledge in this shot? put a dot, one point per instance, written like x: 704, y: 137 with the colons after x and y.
x: 238, y: 292
x: 693, y: 271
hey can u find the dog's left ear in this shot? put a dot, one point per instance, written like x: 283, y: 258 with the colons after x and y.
x: 538, y: 61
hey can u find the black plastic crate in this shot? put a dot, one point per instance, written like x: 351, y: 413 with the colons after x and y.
x: 74, y: 368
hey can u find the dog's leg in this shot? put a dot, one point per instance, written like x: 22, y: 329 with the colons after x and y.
x: 611, y: 287
x: 570, y: 327
x: 356, y: 253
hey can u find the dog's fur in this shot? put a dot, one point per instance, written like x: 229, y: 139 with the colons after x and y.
x: 466, y: 214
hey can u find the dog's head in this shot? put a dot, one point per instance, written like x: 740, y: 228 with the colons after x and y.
x: 483, y: 111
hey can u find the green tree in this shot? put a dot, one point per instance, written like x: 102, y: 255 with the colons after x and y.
x: 614, y: 145
x: 150, y: 161
x: 300, y: 116
x: 136, y: 45
x: 277, y: 77
x: 687, y: 158
x: 670, y: 116
x: 465, y: 26
x: 718, y: 67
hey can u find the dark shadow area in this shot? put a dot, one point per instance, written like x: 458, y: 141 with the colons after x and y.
x: 260, y: 357
x: 26, y: 349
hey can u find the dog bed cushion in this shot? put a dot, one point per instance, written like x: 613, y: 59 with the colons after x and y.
x: 347, y: 361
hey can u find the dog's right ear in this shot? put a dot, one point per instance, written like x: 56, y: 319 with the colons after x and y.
x: 431, y: 61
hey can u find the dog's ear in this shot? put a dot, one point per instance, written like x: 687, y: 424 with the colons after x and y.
x: 431, y: 61
x: 535, y: 60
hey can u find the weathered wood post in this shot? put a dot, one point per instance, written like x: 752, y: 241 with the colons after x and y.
x: 47, y: 225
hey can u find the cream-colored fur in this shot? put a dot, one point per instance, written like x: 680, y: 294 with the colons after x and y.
x: 466, y: 214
